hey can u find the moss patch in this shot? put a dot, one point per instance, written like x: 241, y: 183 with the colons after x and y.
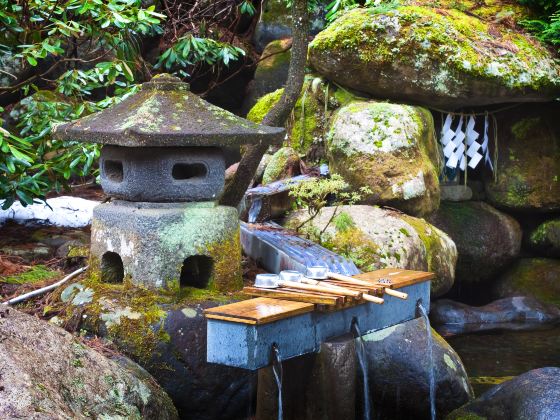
x: 35, y: 274
x: 226, y: 274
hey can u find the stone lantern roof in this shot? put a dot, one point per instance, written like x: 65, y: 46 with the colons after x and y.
x: 164, y: 113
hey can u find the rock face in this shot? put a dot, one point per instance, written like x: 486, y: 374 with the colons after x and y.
x: 164, y: 332
x: 389, y: 148
x: 487, y: 239
x: 537, y: 277
x: 398, y: 369
x: 285, y: 163
x: 546, y: 238
x: 514, y: 313
x: 46, y: 373
x: 443, y: 58
x: 528, y: 160
x: 533, y: 395
x: 271, y: 73
x: 276, y: 22
x: 376, y: 238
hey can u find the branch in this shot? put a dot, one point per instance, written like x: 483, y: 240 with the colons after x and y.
x: 277, y: 116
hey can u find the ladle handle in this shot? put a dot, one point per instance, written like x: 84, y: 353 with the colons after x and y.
x: 333, y: 287
x: 395, y: 293
x: 373, y: 299
x: 348, y: 279
x: 302, y: 286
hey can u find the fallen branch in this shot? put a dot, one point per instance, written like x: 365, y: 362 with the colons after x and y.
x: 45, y: 289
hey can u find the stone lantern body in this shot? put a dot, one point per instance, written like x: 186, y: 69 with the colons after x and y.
x: 163, y: 166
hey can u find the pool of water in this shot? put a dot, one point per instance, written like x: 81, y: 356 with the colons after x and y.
x: 493, y: 357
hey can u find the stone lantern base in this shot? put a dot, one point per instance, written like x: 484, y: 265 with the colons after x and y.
x: 160, y: 245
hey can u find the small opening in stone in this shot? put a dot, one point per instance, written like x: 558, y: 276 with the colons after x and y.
x: 113, y: 170
x: 196, y: 271
x: 112, y: 270
x: 182, y: 171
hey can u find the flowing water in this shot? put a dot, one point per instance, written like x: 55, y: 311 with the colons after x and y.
x: 493, y: 357
x: 277, y: 371
x: 361, y: 354
x: 254, y: 210
x: 431, y: 378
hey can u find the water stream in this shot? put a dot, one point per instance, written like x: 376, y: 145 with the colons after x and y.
x: 361, y: 354
x: 254, y: 210
x: 431, y: 375
x: 277, y: 371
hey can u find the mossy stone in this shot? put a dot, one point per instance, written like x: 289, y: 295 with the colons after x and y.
x: 545, y: 239
x: 283, y: 164
x: 389, y: 148
x: 537, y: 277
x: 380, y: 238
x: 528, y: 166
x: 442, y: 58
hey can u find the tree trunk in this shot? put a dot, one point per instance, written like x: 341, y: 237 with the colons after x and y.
x: 277, y: 116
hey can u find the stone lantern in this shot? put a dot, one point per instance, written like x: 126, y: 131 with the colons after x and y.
x: 163, y: 166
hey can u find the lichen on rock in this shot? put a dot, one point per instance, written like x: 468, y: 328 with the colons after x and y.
x: 444, y: 58
x: 389, y: 148
x: 379, y: 238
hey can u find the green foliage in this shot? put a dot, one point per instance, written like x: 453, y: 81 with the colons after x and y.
x: 190, y: 51
x: 316, y: 193
x: 87, y: 54
x: 547, y: 27
x: 337, y: 7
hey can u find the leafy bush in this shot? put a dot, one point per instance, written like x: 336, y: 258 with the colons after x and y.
x: 547, y: 27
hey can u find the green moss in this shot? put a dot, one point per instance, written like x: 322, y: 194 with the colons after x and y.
x: 226, y: 255
x: 78, y: 251
x: 461, y: 414
x: 420, y: 36
x: 264, y: 104
x: 283, y: 159
x: 35, y: 274
x: 355, y: 245
x: 521, y: 129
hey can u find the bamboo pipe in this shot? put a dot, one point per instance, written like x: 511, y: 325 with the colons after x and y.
x: 348, y: 279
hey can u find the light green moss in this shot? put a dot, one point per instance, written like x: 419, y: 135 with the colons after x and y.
x: 284, y: 158
x: 459, y: 43
x: 264, y: 104
x: 226, y: 254
x: 35, y: 274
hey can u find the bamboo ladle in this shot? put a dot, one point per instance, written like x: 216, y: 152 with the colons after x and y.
x: 323, y: 273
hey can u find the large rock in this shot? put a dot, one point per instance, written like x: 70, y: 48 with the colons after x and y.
x: 533, y: 395
x: 487, y: 240
x: 47, y: 373
x: 545, y: 239
x: 276, y: 22
x: 164, y: 332
x: 443, y: 58
x: 306, y: 130
x: 271, y: 72
x: 513, y: 313
x: 285, y: 163
x: 389, y: 148
x: 376, y: 238
x: 399, y: 368
x: 528, y: 173
x: 537, y: 277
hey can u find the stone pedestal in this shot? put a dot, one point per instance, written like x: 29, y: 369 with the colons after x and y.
x: 167, y: 244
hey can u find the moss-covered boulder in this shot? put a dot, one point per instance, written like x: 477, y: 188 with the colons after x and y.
x: 398, y: 364
x: 276, y: 21
x: 528, y: 170
x: 537, y: 277
x: 487, y: 239
x: 49, y: 374
x: 308, y: 122
x: 285, y: 163
x: 444, y: 58
x: 165, y: 332
x: 389, y: 148
x: 376, y: 238
x: 271, y: 72
x: 533, y: 395
x: 545, y: 239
